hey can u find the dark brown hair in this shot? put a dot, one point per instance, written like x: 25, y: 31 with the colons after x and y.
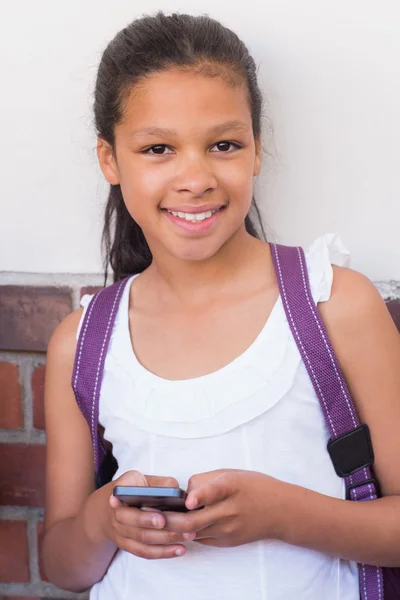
x: 154, y: 44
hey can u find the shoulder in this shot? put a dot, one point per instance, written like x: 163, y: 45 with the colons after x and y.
x: 364, y: 337
x: 62, y: 344
x: 354, y: 302
x: 356, y: 316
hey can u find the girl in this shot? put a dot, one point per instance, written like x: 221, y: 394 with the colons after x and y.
x: 203, y: 385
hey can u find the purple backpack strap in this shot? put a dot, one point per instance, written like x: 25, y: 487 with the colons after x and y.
x: 350, y: 446
x: 91, y: 351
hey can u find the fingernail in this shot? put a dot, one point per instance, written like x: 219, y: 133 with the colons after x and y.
x: 189, y: 536
x: 156, y: 522
x: 179, y: 552
x: 113, y: 501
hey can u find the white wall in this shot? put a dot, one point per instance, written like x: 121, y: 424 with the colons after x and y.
x: 330, y: 70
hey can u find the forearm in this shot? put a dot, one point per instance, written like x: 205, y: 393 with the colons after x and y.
x: 365, y: 532
x: 76, y: 552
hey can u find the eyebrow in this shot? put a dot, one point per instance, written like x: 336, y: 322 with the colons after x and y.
x: 234, y: 125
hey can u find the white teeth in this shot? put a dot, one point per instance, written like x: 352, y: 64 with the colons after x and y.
x: 193, y: 217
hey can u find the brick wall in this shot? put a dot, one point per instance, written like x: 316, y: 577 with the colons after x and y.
x: 31, y: 306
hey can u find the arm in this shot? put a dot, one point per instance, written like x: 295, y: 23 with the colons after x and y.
x: 75, y: 554
x: 368, y: 347
x: 84, y: 528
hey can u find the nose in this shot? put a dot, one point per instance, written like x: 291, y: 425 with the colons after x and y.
x: 195, y: 176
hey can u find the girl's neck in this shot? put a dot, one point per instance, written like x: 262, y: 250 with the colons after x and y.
x: 194, y: 282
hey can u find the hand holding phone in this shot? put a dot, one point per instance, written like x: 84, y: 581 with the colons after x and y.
x: 142, y: 532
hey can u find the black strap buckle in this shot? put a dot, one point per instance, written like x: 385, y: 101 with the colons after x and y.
x: 351, y: 451
x: 354, y: 486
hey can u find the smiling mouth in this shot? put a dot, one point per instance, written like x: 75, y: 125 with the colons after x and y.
x: 194, y: 220
x: 194, y: 217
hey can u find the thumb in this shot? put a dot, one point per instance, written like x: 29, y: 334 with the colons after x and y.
x: 134, y: 478
x: 209, y: 493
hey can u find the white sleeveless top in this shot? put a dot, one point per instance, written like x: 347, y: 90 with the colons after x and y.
x: 260, y: 413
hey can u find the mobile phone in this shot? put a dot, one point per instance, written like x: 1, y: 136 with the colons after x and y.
x: 162, y: 498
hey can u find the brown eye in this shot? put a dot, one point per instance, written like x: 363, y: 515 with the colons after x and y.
x: 223, y: 147
x: 156, y: 150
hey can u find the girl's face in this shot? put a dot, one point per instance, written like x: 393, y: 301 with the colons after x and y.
x: 185, y: 158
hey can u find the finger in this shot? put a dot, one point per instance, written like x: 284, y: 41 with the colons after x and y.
x: 200, y: 479
x: 114, y: 502
x: 218, y: 490
x: 135, y: 517
x: 193, y: 521
x: 157, y: 481
x: 135, y: 478
x: 151, y: 509
x: 155, y: 537
x: 153, y: 552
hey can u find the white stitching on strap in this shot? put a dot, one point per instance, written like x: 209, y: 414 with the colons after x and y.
x: 101, y: 355
x: 379, y: 576
x: 371, y: 495
x: 354, y: 490
x: 364, y: 581
x: 313, y: 309
x: 299, y: 340
x: 82, y: 339
x: 371, y: 491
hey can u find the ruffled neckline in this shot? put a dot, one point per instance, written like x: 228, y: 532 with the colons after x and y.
x: 219, y: 401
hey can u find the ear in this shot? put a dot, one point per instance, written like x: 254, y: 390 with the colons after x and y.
x: 257, y: 161
x: 107, y: 161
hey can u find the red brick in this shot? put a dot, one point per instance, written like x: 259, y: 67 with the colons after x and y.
x: 40, y: 540
x: 37, y: 396
x: 90, y: 289
x: 22, y: 474
x: 30, y: 314
x: 21, y: 598
x: 14, y: 553
x: 10, y: 405
x: 394, y: 309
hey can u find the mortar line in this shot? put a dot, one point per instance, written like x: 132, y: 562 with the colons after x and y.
x: 50, y: 279
x: 19, y: 356
x: 33, y: 550
x: 76, y: 296
x: 20, y: 436
x: 26, y: 369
